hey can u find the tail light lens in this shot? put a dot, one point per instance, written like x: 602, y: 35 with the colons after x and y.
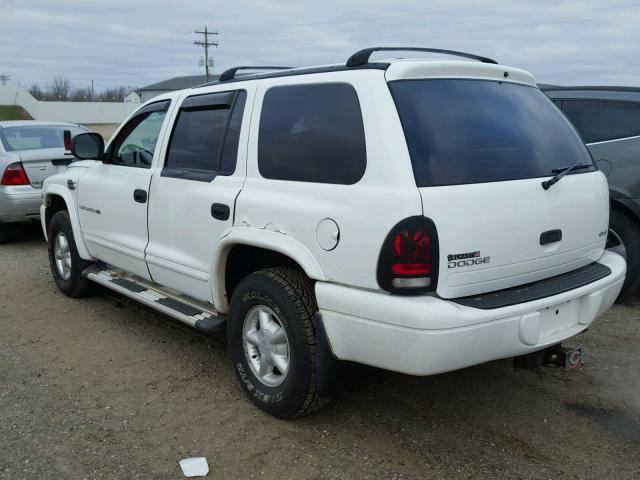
x: 408, y: 262
x: 67, y: 139
x: 14, y: 175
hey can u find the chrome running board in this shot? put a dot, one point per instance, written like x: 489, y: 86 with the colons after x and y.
x: 199, y: 315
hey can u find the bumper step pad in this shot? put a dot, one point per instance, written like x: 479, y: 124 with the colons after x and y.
x: 536, y: 290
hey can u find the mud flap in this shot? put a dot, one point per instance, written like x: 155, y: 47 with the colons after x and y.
x: 332, y: 375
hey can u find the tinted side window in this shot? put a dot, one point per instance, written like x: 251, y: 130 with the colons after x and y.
x: 230, y: 149
x: 601, y: 120
x: 312, y: 133
x: 205, y: 138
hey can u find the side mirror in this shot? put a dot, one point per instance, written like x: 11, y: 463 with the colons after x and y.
x: 87, y: 146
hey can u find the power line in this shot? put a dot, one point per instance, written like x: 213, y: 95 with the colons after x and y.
x: 206, y: 44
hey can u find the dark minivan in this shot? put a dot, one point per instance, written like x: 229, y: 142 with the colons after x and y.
x: 608, y: 119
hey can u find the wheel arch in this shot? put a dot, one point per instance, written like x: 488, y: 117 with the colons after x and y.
x: 627, y: 207
x: 246, y: 250
x: 59, y: 198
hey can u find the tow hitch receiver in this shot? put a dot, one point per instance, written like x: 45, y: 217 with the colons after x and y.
x: 554, y: 356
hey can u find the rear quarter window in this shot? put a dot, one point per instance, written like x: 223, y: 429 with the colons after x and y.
x: 602, y: 120
x: 312, y: 133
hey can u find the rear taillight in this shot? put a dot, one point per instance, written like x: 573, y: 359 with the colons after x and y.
x: 14, y: 175
x: 67, y: 140
x: 408, y: 260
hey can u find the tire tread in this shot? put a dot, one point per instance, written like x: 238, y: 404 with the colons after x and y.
x: 82, y: 287
x: 299, y: 288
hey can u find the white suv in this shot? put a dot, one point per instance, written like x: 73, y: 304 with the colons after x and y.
x: 415, y: 215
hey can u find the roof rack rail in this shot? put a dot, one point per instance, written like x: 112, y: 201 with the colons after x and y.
x: 230, y: 73
x: 362, y: 57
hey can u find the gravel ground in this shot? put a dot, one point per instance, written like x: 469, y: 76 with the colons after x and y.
x: 100, y: 388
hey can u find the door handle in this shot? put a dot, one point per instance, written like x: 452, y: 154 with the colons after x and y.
x: 140, y: 196
x: 551, y: 236
x: 220, y: 211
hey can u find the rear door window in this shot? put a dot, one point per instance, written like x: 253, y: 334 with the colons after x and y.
x: 477, y: 131
x: 204, y: 142
x: 312, y: 133
x: 602, y: 120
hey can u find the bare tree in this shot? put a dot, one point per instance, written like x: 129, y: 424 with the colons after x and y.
x: 80, y: 94
x: 60, y: 89
x: 36, y: 92
x: 115, y: 94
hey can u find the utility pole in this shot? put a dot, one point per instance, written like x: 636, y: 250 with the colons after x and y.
x: 92, y: 90
x: 4, y: 79
x: 206, y: 44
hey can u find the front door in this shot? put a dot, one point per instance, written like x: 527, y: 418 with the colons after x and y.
x: 113, y: 195
x: 193, y: 193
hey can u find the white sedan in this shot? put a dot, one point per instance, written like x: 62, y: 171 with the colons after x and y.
x: 30, y: 151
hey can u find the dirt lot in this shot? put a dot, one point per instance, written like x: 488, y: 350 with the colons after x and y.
x: 102, y: 388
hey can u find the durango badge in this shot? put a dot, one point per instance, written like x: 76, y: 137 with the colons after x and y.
x: 466, y: 259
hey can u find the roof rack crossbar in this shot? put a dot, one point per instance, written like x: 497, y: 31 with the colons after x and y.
x: 362, y: 57
x: 230, y: 73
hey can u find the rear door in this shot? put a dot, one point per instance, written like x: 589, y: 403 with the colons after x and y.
x: 480, y: 150
x: 193, y: 193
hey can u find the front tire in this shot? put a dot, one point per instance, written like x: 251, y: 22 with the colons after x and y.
x: 271, y: 338
x: 624, y: 238
x: 64, y: 260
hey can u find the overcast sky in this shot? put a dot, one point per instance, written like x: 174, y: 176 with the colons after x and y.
x: 138, y: 42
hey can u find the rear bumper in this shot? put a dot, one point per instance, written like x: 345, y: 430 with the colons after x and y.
x: 425, y: 335
x: 19, y: 203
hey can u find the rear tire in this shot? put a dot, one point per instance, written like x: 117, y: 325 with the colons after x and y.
x: 5, y: 233
x: 64, y: 260
x: 275, y: 302
x: 624, y: 229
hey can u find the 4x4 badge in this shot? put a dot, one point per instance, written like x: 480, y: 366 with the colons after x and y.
x: 466, y: 259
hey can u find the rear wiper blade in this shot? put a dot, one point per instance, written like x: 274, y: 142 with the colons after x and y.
x: 561, y: 172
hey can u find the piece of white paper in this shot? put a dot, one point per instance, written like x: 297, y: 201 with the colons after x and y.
x: 194, y: 467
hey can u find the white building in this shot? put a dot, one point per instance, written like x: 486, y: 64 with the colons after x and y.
x: 133, y: 97
x: 175, y: 83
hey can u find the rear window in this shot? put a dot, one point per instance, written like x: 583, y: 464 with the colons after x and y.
x: 477, y: 131
x: 35, y: 137
x: 602, y: 120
